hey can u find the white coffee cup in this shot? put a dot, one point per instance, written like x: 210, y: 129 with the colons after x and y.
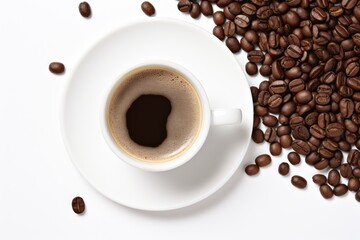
x: 209, y: 117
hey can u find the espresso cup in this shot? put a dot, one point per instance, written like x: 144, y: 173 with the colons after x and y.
x: 129, y: 121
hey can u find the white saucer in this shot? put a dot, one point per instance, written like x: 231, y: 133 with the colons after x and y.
x: 223, y: 80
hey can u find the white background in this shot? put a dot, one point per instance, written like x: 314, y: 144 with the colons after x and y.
x: 38, y: 180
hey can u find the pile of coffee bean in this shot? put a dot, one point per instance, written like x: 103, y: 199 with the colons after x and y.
x: 310, y: 102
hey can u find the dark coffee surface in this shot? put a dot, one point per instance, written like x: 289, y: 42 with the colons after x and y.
x: 146, y: 120
x: 154, y: 114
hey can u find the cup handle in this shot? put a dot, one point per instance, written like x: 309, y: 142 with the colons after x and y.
x: 226, y: 116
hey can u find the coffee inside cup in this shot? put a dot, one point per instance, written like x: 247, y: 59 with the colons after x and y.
x: 154, y: 114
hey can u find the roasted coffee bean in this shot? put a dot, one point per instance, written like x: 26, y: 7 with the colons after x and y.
x: 56, y: 67
x: 333, y: 177
x: 219, y: 18
x: 263, y: 98
x: 288, y: 108
x: 223, y: 3
x: 195, y: 10
x: 330, y: 144
x: 325, y: 153
x: 275, y: 101
x: 350, y: 126
x: 265, y: 70
x: 254, y: 93
x: 248, y: 8
x: 340, y: 190
x: 251, y: 69
x: 354, y: 83
x: 357, y: 196
x: 294, y: 158
x: 264, y: 12
x: 255, y: 56
x: 78, y: 205
x: 346, y: 106
x: 311, y: 118
x: 229, y: 28
x: 146, y: 7
x: 294, y: 51
x: 251, y: 36
x: 301, y: 147
x: 334, y: 130
x: 184, y: 5
x: 312, y: 158
x: 352, y: 69
x: 334, y: 162
x: 234, y: 8
x: 245, y: 45
x: 251, y: 169
x: 284, y: 169
x: 353, y: 157
x: 303, y: 97
x: 356, y: 172
x: 85, y: 9
x: 261, y: 111
x: 296, y: 121
x: 242, y: 21
x: 292, y: 73
x: 278, y: 87
x: 283, y: 130
x: 263, y: 160
x: 354, y: 184
x: 346, y: 170
x: 277, y: 70
x: 264, y: 85
x: 233, y: 44
x: 218, y: 32
x: 322, y: 164
x: 318, y: 14
x: 348, y: 4
x: 317, y: 131
x: 285, y: 141
x: 301, y: 132
x: 257, y: 135
x: 322, y: 99
x: 275, y: 149
x: 298, y: 181
x: 206, y: 8
x: 296, y: 85
x: 319, y: 179
x: 270, y: 135
x: 270, y: 121
x: 326, y: 191
x: 336, y: 11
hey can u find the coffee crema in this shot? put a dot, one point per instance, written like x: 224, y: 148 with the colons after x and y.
x: 154, y: 114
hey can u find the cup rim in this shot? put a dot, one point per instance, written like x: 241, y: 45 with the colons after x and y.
x: 184, y: 157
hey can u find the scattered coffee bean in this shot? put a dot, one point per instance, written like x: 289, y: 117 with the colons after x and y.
x: 354, y: 184
x: 78, y: 205
x: 340, y: 190
x: 319, y: 179
x: 206, y: 8
x: 275, y: 149
x: 257, y: 135
x: 333, y: 177
x: 263, y: 160
x: 218, y: 32
x: 233, y: 44
x: 148, y: 8
x: 251, y: 68
x: 298, y: 181
x: 184, y: 6
x: 56, y: 67
x: 251, y: 169
x: 219, y: 18
x: 195, y: 10
x: 85, y: 9
x: 294, y: 158
x: 283, y: 168
x: 326, y: 191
